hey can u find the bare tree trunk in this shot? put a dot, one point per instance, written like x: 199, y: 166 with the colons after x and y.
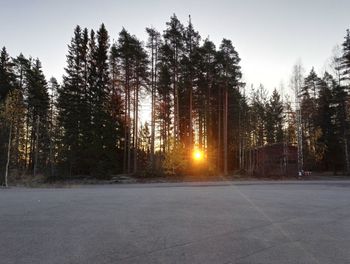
x: 51, y: 133
x: 8, y: 156
x: 152, y: 102
x: 346, y: 155
x: 176, y: 100
x: 200, y: 131
x: 191, y: 95
x: 129, y: 133
x: 190, y: 124
x: 125, y: 131
x: 26, y: 155
x: 219, y: 133
x: 225, y: 131
x: 136, y: 108
x: 36, y: 146
x: 51, y: 159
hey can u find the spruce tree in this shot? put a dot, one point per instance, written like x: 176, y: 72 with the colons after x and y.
x: 345, y: 58
x: 38, y: 105
x: 326, y: 142
x: 6, y: 74
x: 104, y: 129
x: 344, y: 69
x: 69, y: 106
x: 6, y: 113
x: 311, y: 131
x: 274, y: 119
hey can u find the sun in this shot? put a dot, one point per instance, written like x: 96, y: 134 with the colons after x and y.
x: 197, y: 155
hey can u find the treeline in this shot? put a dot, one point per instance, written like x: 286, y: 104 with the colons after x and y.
x: 90, y: 123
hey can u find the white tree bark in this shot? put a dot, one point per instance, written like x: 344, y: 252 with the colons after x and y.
x: 8, y: 156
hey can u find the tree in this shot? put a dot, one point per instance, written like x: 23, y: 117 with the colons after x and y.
x: 38, y: 105
x: 103, y: 127
x: 229, y: 83
x: 344, y: 69
x: 296, y: 83
x: 258, y: 116
x: 140, y: 81
x: 6, y: 74
x: 326, y: 143
x: 153, y: 44
x: 69, y: 105
x: 133, y: 61
x: 53, y: 124
x: 274, y: 119
x: 312, y: 132
x: 117, y: 104
x: 205, y: 101
x: 173, y: 38
x: 345, y: 58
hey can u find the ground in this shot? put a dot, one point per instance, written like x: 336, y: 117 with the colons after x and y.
x: 223, y: 222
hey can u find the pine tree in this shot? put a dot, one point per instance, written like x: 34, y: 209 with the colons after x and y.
x: 173, y: 38
x: 125, y: 43
x: 229, y: 83
x: 21, y: 121
x: 133, y: 64
x: 187, y: 86
x: 164, y: 90
x: 140, y: 82
x: 153, y: 44
x: 205, y: 101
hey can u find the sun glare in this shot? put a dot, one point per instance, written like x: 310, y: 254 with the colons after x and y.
x: 197, y: 155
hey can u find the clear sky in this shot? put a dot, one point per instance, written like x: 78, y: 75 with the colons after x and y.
x: 270, y: 35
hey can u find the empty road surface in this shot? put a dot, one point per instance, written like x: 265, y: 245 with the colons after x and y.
x: 247, y: 222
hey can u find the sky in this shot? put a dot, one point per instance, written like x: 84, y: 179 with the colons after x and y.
x: 270, y: 36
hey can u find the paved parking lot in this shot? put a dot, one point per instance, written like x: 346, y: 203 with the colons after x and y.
x: 247, y: 222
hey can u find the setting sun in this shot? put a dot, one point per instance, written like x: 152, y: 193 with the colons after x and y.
x: 197, y: 155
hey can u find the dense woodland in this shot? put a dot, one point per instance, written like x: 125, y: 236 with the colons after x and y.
x: 89, y: 125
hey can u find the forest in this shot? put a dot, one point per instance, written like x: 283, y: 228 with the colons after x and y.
x: 90, y: 123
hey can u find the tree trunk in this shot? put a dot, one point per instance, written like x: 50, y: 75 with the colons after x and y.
x: 219, y: 133
x: 152, y: 102
x: 346, y: 156
x: 225, y: 132
x: 129, y: 127
x: 36, y: 146
x: 136, y: 107
x: 125, y: 131
x: 8, y: 156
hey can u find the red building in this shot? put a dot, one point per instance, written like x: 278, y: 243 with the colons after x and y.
x: 272, y: 160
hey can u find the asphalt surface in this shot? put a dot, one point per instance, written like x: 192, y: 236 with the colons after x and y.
x: 251, y: 222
